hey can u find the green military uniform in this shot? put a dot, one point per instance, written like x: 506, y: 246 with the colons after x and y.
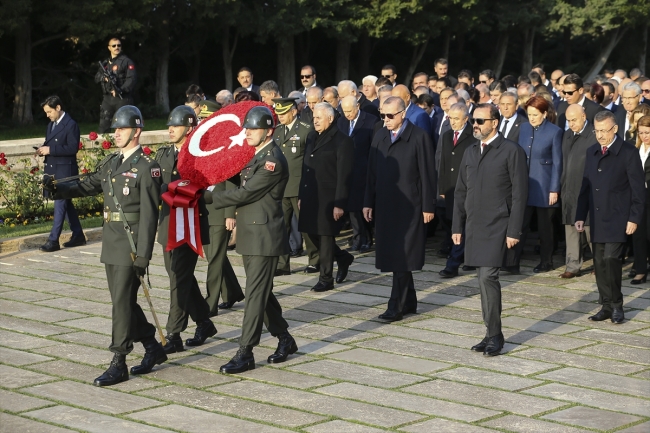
x: 292, y: 141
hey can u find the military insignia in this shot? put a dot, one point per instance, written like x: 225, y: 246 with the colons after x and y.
x: 294, y: 149
x: 155, y: 172
x: 131, y: 67
x: 184, y: 183
x: 135, y: 170
x: 268, y: 122
x: 137, y: 121
x: 115, y: 67
x: 126, y: 190
x: 129, y: 174
x: 270, y: 166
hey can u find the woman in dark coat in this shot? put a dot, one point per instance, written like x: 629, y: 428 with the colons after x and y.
x: 641, y: 236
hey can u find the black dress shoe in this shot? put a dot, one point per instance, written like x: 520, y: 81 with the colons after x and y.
x: 543, y: 267
x: 286, y: 346
x: 117, y: 372
x: 75, y: 242
x: 513, y: 270
x: 469, y: 268
x: 494, y: 345
x: 481, y: 346
x: 344, y: 265
x: 154, y: 355
x: 204, y: 330
x: 297, y: 253
x: 632, y: 274
x: 311, y: 269
x: 280, y: 272
x: 601, y: 315
x: 365, y: 248
x: 241, y: 362
x: 640, y: 280
x: 389, y: 316
x: 448, y: 273
x: 322, y: 286
x: 406, y: 311
x: 231, y: 247
x: 226, y: 305
x: 50, y: 247
x: 618, y: 316
x: 174, y: 344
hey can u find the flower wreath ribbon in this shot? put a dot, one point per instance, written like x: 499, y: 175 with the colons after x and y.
x: 182, y: 196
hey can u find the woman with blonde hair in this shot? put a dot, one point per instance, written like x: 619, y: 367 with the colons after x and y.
x: 641, y: 236
x: 640, y: 111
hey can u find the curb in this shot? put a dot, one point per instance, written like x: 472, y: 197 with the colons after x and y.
x: 23, y: 243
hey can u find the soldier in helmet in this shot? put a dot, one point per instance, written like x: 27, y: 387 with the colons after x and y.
x: 130, y: 182
x: 262, y: 238
x: 185, y: 298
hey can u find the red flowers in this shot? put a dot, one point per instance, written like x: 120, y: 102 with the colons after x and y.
x: 84, y: 171
x: 92, y: 136
x: 2, y: 155
x: 81, y: 145
x: 3, y: 160
x: 106, y: 144
x: 33, y: 170
x: 146, y: 150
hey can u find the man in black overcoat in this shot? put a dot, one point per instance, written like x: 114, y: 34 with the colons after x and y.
x: 323, y: 195
x: 613, y: 194
x: 401, y: 198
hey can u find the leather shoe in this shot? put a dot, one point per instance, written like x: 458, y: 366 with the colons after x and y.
x: 389, y: 316
x: 297, y: 253
x: 117, y: 372
x: 469, y: 268
x: 481, y: 346
x: 632, y: 274
x: 568, y: 274
x: 50, y: 247
x: 226, y: 305
x: 280, y: 272
x: 204, y: 330
x: 241, y: 362
x: 640, y: 280
x: 601, y: 315
x: 365, y: 248
x: 154, y: 355
x: 75, y: 242
x: 618, y: 316
x: 344, y: 265
x: 354, y: 247
x: 322, y: 286
x: 406, y: 311
x: 286, y: 346
x: 494, y: 345
x: 448, y: 273
x: 543, y: 267
x: 174, y: 344
x: 311, y: 269
x: 513, y: 270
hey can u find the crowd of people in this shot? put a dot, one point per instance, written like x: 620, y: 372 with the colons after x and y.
x: 484, y: 163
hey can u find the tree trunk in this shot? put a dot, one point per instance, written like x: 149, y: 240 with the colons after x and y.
x: 644, y: 49
x: 460, y: 49
x: 365, y: 49
x: 227, y: 52
x: 286, y: 64
x: 500, y: 53
x: 303, y: 44
x: 527, y: 57
x: 445, y: 45
x: 567, y: 46
x: 416, y: 57
x: 22, y: 114
x: 195, y: 67
x: 342, y: 59
x: 162, y: 68
x: 614, y: 39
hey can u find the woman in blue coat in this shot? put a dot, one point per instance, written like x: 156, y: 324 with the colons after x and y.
x: 542, y: 142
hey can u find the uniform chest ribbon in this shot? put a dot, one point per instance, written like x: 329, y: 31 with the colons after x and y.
x: 182, y: 196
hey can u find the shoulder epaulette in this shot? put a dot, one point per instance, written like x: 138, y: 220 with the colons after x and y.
x: 305, y: 124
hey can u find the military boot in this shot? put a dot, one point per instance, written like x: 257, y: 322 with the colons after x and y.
x: 286, y: 346
x: 117, y: 372
x: 241, y: 362
x: 174, y: 344
x: 154, y: 354
x: 204, y: 330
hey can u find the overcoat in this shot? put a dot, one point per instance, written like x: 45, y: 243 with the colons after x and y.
x: 490, y: 200
x: 401, y: 186
x: 574, y: 153
x: 450, y: 159
x: 64, y: 145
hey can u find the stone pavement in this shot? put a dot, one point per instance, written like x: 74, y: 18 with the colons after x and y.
x: 353, y: 374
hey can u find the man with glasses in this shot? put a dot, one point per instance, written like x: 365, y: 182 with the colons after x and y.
x: 307, y: 78
x: 630, y: 99
x: 117, y: 91
x: 489, y: 205
x: 574, y: 93
x: 390, y: 73
x: 645, y: 90
x: 613, y: 195
x: 486, y: 77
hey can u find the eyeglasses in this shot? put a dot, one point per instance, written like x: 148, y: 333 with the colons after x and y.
x: 569, y: 92
x: 387, y: 76
x: 391, y: 116
x: 629, y: 98
x: 474, y: 121
x: 645, y: 90
x: 306, y: 76
x: 116, y: 46
x: 603, y: 131
x: 483, y: 81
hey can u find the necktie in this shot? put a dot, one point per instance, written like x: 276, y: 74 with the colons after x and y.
x: 604, y: 149
x: 53, y: 125
x: 483, y: 146
x: 455, y: 137
x: 351, y: 126
x: 504, y: 128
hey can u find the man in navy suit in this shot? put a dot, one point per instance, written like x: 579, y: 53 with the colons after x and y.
x: 415, y: 114
x: 60, y: 151
x: 245, y: 78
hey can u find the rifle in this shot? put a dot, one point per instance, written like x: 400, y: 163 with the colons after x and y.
x: 112, y: 80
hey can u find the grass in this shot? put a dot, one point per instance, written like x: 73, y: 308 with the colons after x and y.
x: 45, y: 227
x: 37, y: 130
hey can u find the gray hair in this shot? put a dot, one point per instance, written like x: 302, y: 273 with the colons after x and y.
x: 510, y: 94
x: 601, y: 116
x: 370, y: 78
x: 317, y: 90
x: 396, y: 100
x: 348, y: 83
x: 462, y: 93
x: 460, y: 106
x: 270, y: 86
x: 224, y: 97
x: 385, y: 88
x: 633, y: 86
x: 529, y: 88
x: 298, y: 95
x: 324, y: 106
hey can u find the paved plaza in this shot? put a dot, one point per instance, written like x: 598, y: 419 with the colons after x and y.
x: 353, y: 374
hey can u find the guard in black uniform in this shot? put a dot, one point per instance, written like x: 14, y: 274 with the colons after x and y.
x: 120, y: 93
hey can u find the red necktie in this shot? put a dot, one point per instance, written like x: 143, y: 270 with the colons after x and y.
x: 455, y: 137
x: 483, y: 146
x: 604, y: 149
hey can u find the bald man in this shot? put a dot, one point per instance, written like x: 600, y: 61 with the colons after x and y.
x: 414, y: 114
x: 348, y: 88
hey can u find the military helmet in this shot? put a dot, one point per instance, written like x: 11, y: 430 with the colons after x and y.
x: 183, y: 115
x: 259, y: 118
x: 127, y: 116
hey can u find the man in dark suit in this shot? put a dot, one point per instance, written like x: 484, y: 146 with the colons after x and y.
x: 268, y: 91
x: 442, y: 121
x: 401, y: 199
x: 489, y: 205
x: 313, y: 96
x: 441, y: 68
x: 60, y: 150
x: 630, y: 99
x: 414, y: 114
x: 323, y: 195
x: 608, y: 98
x: 307, y: 78
x: 510, y: 121
x: 613, y: 195
x: 245, y: 78
x: 359, y: 126
x: 574, y: 93
x: 347, y: 87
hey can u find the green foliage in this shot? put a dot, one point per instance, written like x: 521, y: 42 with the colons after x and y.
x: 20, y: 190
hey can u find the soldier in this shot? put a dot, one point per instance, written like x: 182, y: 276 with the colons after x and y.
x: 185, y: 298
x: 130, y: 182
x: 118, y: 94
x: 262, y: 238
x: 291, y: 139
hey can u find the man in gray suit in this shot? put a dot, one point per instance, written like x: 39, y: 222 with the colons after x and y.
x: 510, y: 119
x: 489, y: 202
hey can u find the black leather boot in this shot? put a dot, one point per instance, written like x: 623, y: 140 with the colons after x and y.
x: 286, y: 346
x: 203, y: 331
x: 174, y: 344
x: 154, y: 355
x: 117, y: 372
x: 241, y: 362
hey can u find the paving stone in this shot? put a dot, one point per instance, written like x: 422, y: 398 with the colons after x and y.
x: 487, y: 378
x: 451, y: 326
x: 639, y: 428
x: 388, y: 360
x: 486, y: 397
x: 589, y: 397
x: 31, y: 311
x: 91, y: 422
x: 12, y: 377
x: 522, y: 424
x: 326, y: 405
x: 339, y: 426
x: 26, y: 295
x: 233, y: 406
x: 614, y: 337
x: 187, y: 376
x: 581, y: 361
x: 357, y: 373
x: 541, y: 326
x: 30, y: 327
x: 92, y: 397
x: 86, y: 338
x: 17, y: 340
x: 643, y: 374
x: 400, y: 400
x: 327, y: 333
x: 352, y: 298
x: 14, y: 402
x: 12, y: 423
x: 70, y: 290
x: 79, y: 305
x: 604, y: 381
x: 544, y: 340
x: 176, y: 417
x: 101, y: 325
x: 287, y: 378
x: 623, y: 353
x: 6, y: 277
x: 548, y: 314
x: 591, y: 418
x: 75, y: 352
x: 446, y: 426
x: 18, y: 357
x: 304, y: 316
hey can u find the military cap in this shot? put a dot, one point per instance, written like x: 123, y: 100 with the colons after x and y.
x: 283, y: 105
x: 208, y: 107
